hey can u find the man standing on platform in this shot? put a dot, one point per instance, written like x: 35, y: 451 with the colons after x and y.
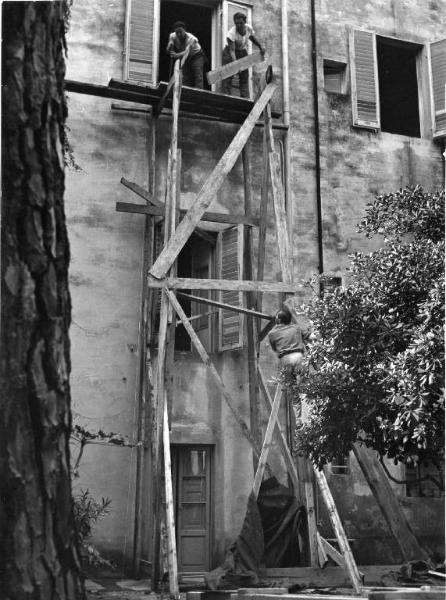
x: 181, y: 40
x: 237, y: 47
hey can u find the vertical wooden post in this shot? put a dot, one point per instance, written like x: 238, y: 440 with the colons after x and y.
x: 170, y: 519
x: 165, y: 334
x: 144, y: 385
x: 250, y: 303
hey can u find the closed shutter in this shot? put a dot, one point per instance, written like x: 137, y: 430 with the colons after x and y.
x: 230, y: 260
x: 142, y: 24
x: 364, y: 79
x: 438, y: 71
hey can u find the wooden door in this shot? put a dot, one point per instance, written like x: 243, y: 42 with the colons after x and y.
x: 193, y: 507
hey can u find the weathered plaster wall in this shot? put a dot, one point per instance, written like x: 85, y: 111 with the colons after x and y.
x: 106, y: 246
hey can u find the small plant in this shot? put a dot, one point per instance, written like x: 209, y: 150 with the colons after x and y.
x: 87, y: 512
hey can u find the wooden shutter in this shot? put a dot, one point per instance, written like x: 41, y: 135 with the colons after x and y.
x: 364, y: 79
x: 141, y: 41
x: 438, y: 79
x: 230, y: 260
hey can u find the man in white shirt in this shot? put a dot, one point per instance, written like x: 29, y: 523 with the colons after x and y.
x: 237, y: 47
x: 179, y: 41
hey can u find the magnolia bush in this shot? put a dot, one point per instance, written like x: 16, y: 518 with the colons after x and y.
x: 376, y: 362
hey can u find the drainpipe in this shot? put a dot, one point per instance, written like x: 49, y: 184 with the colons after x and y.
x: 317, y: 147
x: 286, y: 114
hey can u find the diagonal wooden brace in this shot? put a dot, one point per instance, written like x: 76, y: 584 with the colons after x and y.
x: 210, y: 188
x: 207, y: 361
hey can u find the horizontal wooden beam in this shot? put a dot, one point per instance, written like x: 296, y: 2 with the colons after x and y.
x: 211, y: 217
x: 238, y: 285
x: 210, y: 188
x: 233, y: 68
x: 183, y: 115
x: 239, y: 309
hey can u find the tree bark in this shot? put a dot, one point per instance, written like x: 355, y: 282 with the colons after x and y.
x: 40, y: 557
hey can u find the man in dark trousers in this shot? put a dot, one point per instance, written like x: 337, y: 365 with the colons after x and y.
x: 236, y: 47
x: 181, y: 40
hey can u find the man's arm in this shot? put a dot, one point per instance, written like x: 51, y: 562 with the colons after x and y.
x: 231, y: 46
x: 256, y: 42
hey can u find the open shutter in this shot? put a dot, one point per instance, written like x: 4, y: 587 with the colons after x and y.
x: 438, y: 79
x: 364, y: 79
x: 141, y: 41
x: 230, y: 260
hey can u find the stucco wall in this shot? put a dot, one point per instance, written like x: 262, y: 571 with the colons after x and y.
x: 106, y: 246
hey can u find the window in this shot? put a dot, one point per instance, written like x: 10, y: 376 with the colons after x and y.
x: 424, y: 481
x: 205, y: 256
x: 329, y: 284
x: 390, y: 85
x: 340, y: 466
x: 335, y: 77
x: 149, y: 22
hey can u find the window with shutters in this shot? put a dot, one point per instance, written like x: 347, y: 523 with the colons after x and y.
x: 230, y: 261
x: 390, y: 84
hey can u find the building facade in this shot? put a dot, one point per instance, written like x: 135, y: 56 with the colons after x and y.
x: 361, y: 94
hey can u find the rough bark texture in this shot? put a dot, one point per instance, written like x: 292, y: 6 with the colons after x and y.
x: 40, y: 559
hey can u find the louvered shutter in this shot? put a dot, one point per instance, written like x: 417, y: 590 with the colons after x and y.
x: 142, y: 25
x: 230, y: 260
x: 438, y: 72
x: 364, y: 79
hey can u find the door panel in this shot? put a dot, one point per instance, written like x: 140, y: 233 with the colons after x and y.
x: 193, y: 502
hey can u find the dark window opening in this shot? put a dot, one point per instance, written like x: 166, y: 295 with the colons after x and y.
x: 424, y: 481
x: 334, y: 77
x: 198, y: 20
x: 340, y: 466
x: 329, y: 284
x: 398, y: 87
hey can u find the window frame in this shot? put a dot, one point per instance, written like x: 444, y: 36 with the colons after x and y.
x: 342, y: 66
x: 424, y: 82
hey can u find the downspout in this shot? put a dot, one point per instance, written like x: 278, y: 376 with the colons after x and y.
x: 286, y: 115
x: 317, y: 146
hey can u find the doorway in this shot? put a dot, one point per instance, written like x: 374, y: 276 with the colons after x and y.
x: 198, y: 19
x: 191, y: 477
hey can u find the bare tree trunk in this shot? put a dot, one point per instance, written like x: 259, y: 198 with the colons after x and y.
x: 40, y: 559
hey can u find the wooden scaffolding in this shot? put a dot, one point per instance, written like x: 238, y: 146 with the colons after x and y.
x: 155, y: 381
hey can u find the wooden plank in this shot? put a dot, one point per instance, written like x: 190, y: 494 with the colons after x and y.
x: 304, y: 474
x: 266, y: 446
x: 238, y: 309
x: 142, y: 193
x: 239, y: 285
x: 302, y: 596
x: 250, y: 299
x: 212, y: 217
x: 402, y: 594
x: 170, y: 518
x: 210, y: 188
x: 330, y: 576
x: 207, y: 361
x: 264, y: 195
x: 233, y: 68
x: 281, y: 434
x: 389, y: 505
x: 285, y: 256
x: 331, y: 551
x: 344, y: 546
